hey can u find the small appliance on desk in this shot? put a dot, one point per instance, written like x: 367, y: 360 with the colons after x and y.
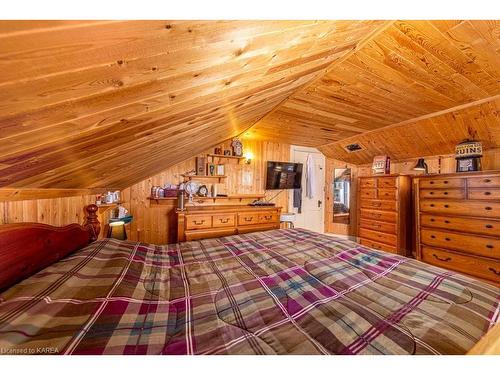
x: 260, y: 203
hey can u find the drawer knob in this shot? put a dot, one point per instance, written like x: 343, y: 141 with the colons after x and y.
x: 487, y: 193
x: 446, y: 206
x: 432, y: 205
x: 198, y: 222
x: 489, y: 246
x: 494, y: 271
x: 433, y: 236
x: 445, y: 193
x: 447, y: 259
x: 433, y: 220
x: 447, y: 222
x: 248, y: 218
x: 224, y: 221
x: 431, y: 193
x: 432, y: 182
x: 487, y: 180
x: 488, y: 208
x: 445, y: 181
x: 447, y: 239
x: 489, y: 226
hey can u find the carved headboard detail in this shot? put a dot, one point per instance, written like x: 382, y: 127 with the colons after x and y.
x: 26, y: 248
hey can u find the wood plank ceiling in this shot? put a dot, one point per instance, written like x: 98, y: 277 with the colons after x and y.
x: 439, y: 80
x: 87, y: 104
x: 90, y: 104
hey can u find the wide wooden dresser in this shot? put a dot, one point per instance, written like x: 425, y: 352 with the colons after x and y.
x: 384, y: 213
x: 195, y: 223
x: 458, y: 222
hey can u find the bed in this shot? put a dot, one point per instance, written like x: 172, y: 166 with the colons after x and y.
x: 286, y: 291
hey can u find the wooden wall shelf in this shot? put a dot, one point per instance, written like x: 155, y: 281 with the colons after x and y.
x: 239, y: 197
x: 225, y: 157
x: 197, y: 177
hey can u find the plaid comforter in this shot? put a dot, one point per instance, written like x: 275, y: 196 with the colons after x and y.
x: 287, y: 291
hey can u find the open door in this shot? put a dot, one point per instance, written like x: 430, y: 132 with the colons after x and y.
x: 311, y: 215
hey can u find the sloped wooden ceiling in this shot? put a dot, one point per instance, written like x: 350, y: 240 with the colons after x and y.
x: 436, y: 135
x: 107, y: 103
x: 439, y: 80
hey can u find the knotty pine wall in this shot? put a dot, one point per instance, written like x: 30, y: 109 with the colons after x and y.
x: 53, y: 211
x: 436, y: 164
x: 158, y: 223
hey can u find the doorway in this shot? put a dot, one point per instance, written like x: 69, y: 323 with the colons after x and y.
x: 312, y: 213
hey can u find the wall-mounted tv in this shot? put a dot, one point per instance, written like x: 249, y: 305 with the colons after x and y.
x: 283, y: 175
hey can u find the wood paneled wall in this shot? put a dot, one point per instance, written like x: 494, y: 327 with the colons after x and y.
x: 54, y: 211
x: 158, y: 224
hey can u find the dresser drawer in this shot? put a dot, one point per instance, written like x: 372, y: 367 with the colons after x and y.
x: 378, y: 245
x: 378, y: 215
x: 466, y: 225
x: 387, y: 194
x: 378, y: 204
x: 488, y: 269
x: 248, y: 218
x: 268, y: 218
x: 368, y: 193
x: 390, y: 239
x: 442, y: 183
x: 468, y: 208
x: 386, y: 182
x: 442, y: 193
x: 367, y: 183
x: 223, y: 220
x: 257, y: 228
x: 483, y: 182
x: 193, y: 235
x: 485, y: 194
x: 378, y: 225
x: 465, y: 243
x: 198, y: 221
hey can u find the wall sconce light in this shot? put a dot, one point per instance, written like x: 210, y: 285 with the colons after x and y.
x: 248, y: 157
x: 421, y: 166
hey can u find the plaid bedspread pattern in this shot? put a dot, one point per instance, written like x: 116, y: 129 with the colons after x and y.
x: 288, y: 291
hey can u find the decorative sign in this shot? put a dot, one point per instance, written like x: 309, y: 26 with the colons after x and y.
x: 381, y: 164
x: 468, y: 156
x: 468, y: 149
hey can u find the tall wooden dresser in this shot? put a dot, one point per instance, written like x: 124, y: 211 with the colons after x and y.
x: 384, y: 213
x: 458, y: 222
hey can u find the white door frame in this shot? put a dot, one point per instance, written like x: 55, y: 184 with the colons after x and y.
x: 311, y: 150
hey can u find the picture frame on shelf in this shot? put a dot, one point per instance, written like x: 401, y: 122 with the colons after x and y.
x: 220, y: 170
x: 200, y: 166
x: 211, y: 169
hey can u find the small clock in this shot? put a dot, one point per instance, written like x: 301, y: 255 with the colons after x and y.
x: 202, y: 191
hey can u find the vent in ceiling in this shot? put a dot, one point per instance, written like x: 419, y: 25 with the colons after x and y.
x: 353, y: 147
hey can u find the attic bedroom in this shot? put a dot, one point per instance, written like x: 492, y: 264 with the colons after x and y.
x: 249, y: 186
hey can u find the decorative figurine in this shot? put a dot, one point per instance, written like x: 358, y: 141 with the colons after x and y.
x: 237, y: 147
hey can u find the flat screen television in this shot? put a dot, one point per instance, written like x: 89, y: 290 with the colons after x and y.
x: 283, y: 175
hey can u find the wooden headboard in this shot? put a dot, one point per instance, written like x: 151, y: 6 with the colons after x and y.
x: 26, y: 248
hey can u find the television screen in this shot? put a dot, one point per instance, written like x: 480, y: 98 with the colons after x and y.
x: 283, y: 175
